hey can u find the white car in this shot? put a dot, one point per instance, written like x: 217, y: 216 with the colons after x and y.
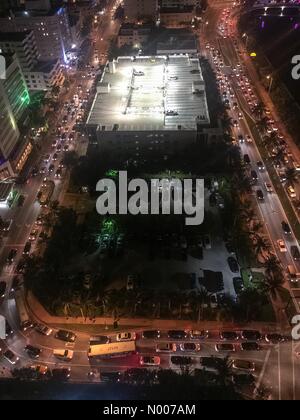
x: 269, y: 187
x: 291, y: 192
x: 11, y: 357
x: 281, y: 245
x: 63, y: 354
x: 126, y: 336
x: 296, y: 166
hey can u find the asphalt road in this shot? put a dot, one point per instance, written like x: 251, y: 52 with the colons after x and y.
x: 281, y: 367
x: 277, y: 367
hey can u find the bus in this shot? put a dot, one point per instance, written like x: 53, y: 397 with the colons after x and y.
x: 46, y: 192
x: 25, y: 321
x: 110, y: 350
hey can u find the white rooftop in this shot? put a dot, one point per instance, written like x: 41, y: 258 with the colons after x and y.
x: 149, y: 94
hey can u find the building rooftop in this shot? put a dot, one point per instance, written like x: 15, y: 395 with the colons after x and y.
x: 13, y: 36
x: 130, y: 27
x: 35, y: 13
x: 178, y: 9
x: 150, y: 94
x: 44, y: 66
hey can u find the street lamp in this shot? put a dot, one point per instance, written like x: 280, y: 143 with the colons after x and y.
x: 247, y: 38
x: 270, y: 79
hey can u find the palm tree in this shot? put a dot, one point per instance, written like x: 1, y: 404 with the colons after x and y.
x: 292, y: 176
x: 259, y: 110
x: 256, y: 228
x: 226, y: 122
x: 271, y: 138
x: 202, y: 298
x: 273, y: 283
x: 243, y: 183
x: 262, y: 124
x: 261, y: 245
x: 224, y: 369
x: 272, y: 265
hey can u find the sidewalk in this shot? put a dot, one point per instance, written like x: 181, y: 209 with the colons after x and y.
x: 39, y: 314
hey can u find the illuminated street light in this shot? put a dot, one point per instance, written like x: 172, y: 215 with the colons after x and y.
x: 270, y: 79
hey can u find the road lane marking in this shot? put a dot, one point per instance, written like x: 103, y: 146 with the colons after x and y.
x: 262, y: 373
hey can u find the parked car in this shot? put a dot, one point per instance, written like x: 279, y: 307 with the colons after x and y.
x: 43, y: 329
x: 65, y: 336
x: 150, y: 360
x: 233, y: 264
x: 61, y: 374
x: 251, y: 335
x: 225, y: 347
x: 126, y: 336
x: 243, y: 365
x: 11, y: 357
x: 199, y: 335
x: 99, y: 339
x: 238, y: 285
x: 177, y: 334
x: 166, y: 348
x: 229, y: 335
x: 63, y: 354
x: 40, y: 369
x: 151, y: 334
x: 181, y: 360
x: 32, y: 351
x: 250, y: 346
x: 190, y: 347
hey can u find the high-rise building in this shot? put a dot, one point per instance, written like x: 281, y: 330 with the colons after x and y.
x: 23, y: 44
x: 51, y: 30
x: 42, y: 5
x: 139, y: 9
x: 39, y: 75
x: 177, y: 3
x: 14, y: 99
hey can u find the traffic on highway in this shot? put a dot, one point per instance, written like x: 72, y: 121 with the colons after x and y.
x: 256, y: 356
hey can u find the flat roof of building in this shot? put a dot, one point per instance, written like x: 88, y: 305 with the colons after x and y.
x: 150, y: 94
x: 13, y: 36
x: 178, y: 9
x: 19, y: 12
x: 44, y: 66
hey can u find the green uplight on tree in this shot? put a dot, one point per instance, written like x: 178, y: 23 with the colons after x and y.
x: 112, y: 173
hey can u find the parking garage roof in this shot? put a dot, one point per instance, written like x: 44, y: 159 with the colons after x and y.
x: 149, y: 94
